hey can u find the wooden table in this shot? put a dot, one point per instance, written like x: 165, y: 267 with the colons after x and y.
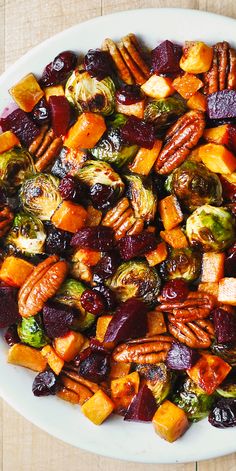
x: 23, y: 24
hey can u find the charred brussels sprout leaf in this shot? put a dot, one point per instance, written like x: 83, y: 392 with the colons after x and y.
x: 27, y: 235
x: 135, y: 279
x: 181, y: 263
x: 158, y: 378
x: 112, y: 149
x: 40, y: 195
x: 195, y: 185
x: 69, y: 162
x: 213, y: 228
x: 225, y: 351
x: 95, y: 171
x: 142, y: 196
x: 89, y: 94
x: 15, y: 166
x: 31, y: 332
x: 228, y: 387
x: 193, y: 400
x: 164, y: 111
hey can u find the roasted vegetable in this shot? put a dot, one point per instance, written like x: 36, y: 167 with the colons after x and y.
x: 142, y: 196
x: 193, y: 400
x: 86, y: 131
x: 181, y: 263
x: 112, y: 149
x: 195, y: 185
x: 69, y: 162
x: 27, y: 235
x: 135, y: 279
x: 15, y: 166
x: 225, y: 351
x: 211, y: 227
x: 40, y: 196
x: 31, y: 332
x: 170, y: 422
x: 94, y: 172
x: 158, y: 378
x: 228, y: 387
x: 90, y: 94
x: 164, y: 111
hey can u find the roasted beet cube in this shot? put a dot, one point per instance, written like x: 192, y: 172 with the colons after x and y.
x: 11, y: 335
x: 45, y: 384
x: 57, y: 319
x: 41, y: 113
x: 223, y: 414
x: 225, y: 325
x: 221, y: 105
x: 180, y: 357
x: 137, y: 245
x: 128, y: 322
x: 60, y: 113
x: 166, y: 57
x: 94, y: 365
x: 142, y: 407
x: 98, y: 63
x: 23, y: 127
x: 128, y: 95
x: 106, y: 267
x: 136, y: 131
x: 96, y: 238
x: 8, y: 306
x: 58, y: 70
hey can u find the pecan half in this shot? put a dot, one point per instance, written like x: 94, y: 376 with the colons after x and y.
x: 83, y: 388
x: 222, y: 74
x: 41, y: 285
x: 6, y: 218
x: 196, y: 334
x: 179, y: 141
x: 46, y: 148
x: 121, y: 218
x: 197, y: 306
x: 145, y: 350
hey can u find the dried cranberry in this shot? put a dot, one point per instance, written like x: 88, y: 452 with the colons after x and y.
x: 60, y: 113
x: 230, y: 265
x: 176, y: 290
x: 180, y: 357
x: 96, y: 238
x: 95, y: 366
x: 166, y: 57
x: 137, y: 245
x: 20, y: 123
x: 98, y: 63
x: 97, y: 346
x: 11, y: 335
x: 41, y: 113
x: 136, y: 131
x: 106, y: 267
x: 71, y: 189
x: 224, y: 325
x: 57, y: 319
x: 45, y: 384
x: 58, y: 70
x: 102, y: 196
x: 8, y: 306
x: 223, y: 413
x: 92, y: 302
x: 109, y: 296
x: 128, y: 94
x: 142, y: 407
x: 58, y: 241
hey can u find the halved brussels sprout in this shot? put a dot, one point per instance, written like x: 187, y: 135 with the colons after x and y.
x: 164, y: 111
x: 225, y: 351
x: 70, y: 293
x: 143, y: 199
x: 69, y: 161
x: 15, y: 166
x: 228, y: 387
x: 158, y: 378
x: 117, y: 120
x: 111, y: 149
x: 135, y: 279
x: 40, y: 195
x: 89, y: 94
x: 31, y: 332
x: 193, y: 400
x: 211, y: 227
x: 195, y: 185
x: 27, y: 235
x: 181, y: 263
x: 95, y: 171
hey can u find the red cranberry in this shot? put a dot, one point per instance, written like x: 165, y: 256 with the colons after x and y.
x: 11, y: 335
x: 230, y: 265
x: 166, y: 57
x: 228, y: 190
x: 58, y: 241
x: 106, y: 267
x: 20, y: 123
x: 97, y: 346
x: 109, y: 296
x: 223, y: 414
x: 41, y: 114
x: 137, y: 245
x: 98, y: 63
x: 176, y: 290
x: 92, y: 302
x: 71, y: 189
x: 58, y: 69
x: 102, y: 196
x: 136, y: 131
x: 95, y: 238
x: 45, y: 384
x: 128, y: 94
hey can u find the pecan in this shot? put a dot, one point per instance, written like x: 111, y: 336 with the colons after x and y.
x: 41, y: 285
x: 197, y: 306
x: 222, y: 74
x: 145, y: 350
x: 179, y: 141
x: 45, y: 147
x: 83, y: 388
x: 6, y: 218
x: 121, y: 218
x: 196, y: 334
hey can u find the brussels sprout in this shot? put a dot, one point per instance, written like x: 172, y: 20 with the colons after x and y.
x: 95, y: 171
x: 112, y: 149
x: 142, y: 196
x: 135, y: 279
x: 225, y: 351
x: 213, y: 228
x: 70, y: 293
x: 158, y: 378
x: 31, y: 332
x: 228, y: 387
x: 27, y: 234
x: 164, y: 111
x: 69, y: 162
x: 15, y: 166
x: 195, y: 185
x: 193, y: 400
x: 40, y: 195
x: 116, y: 120
x: 181, y: 263
x: 90, y: 94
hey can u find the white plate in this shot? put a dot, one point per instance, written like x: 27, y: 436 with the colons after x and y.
x: 115, y: 438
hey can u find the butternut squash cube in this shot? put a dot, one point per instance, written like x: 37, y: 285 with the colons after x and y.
x: 175, y: 238
x: 28, y: 357
x: 54, y: 361
x: 170, y: 212
x: 187, y: 85
x: 8, y: 140
x: 157, y: 255
x: 68, y: 346
x: 217, y: 158
x: 170, y: 422
x: 87, y: 256
x: 54, y: 90
x: 212, y: 267
x: 86, y: 132
x: 145, y: 159
x: 197, y: 102
x: 218, y: 135
x: 156, y: 323
x: 118, y: 370
x: 94, y: 216
x: 197, y: 57
x: 26, y: 93
x: 69, y: 217
x: 68, y: 395
x: 211, y: 288
x: 14, y: 271
x: 158, y: 87
x: 136, y: 109
x: 227, y: 291
x: 98, y: 407
x: 209, y: 372
x: 101, y: 327
x: 123, y: 390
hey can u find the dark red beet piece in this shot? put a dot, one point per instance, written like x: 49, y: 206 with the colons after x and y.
x: 228, y: 190
x: 45, y: 384
x: 96, y: 238
x: 128, y: 322
x: 166, y: 57
x: 142, y: 407
x: 230, y: 265
x: 222, y: 104
x: 57, y: 70
x: 71, y: 189
x: 106, y: 267
x: 136, y: 131
x: 92, y: 302
x: 11, y: 335
x: 223, y: 414
x: 176, y: 290
x: 224, y: 325
x: 109, y: 296
x: 98, y: 63
x: 94, y: 365
x: 58, y: 241
x: 102, y: 196
x: 60, y: 113
x: 20, y: 123
x: 97, y: 346
x: 57, y: 319
x: 41, y: 113
x: 137, y: 245
x: 128, y: 95
x: 8, y: 306
x: 180, y: 357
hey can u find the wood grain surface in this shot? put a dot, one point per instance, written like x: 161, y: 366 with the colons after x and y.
x: 23, y: 24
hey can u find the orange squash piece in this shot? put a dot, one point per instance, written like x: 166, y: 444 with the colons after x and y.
x: 145, y: 159
x: 217, y: 158
x: 211, y: 288
x: 69, y: 217
x: 14, y: 271
x: 101, y: 327
x: 98, y: 407
x: 87, y: 256
x: 175, y: 238
x: 197, y: 102
x: 86, y: 132
x: 8, y: 140
x: 54, y: 361
x: 123, y: 391
x: 156, y: 323
x: 220, y: 134
x: 26, y: 356
x: 170, y: 212
x: 119, y: 370
x: 68, y: 395
x: 157, y: 255
x: 187, y: 85
x: 227, y: 291
x: 170, y: 422
x: 197, y: 57
x: 26, y: 93
x: 209, y: 372
x: 68, y: 346
x: 136, y: 109
x: 158, y: 87
x: 212, y: 267
x: 55, y: 90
